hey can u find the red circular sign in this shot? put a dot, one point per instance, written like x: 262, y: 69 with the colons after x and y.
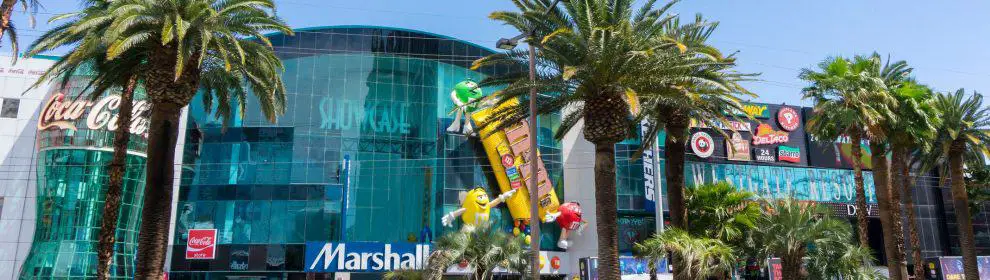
x: 788, y: 118
x: 555, y: 262
x: 507, y: 160
x: 702, y: 144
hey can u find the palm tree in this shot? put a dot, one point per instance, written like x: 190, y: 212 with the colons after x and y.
x: 700, y: 257
x: 6, y: 26
x: 962, y: 137
x: 795, y: 230
x: 595, y: 59
x: 721, y: 211
x: 209, y: 45
x: 483, y: 248
x: 705, y: 100
x: 846, y: 98
x: 914, y: 129
x: 89, y: 55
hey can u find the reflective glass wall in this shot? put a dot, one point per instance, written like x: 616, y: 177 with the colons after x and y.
x: 362, y: 154
x: 73, y: 155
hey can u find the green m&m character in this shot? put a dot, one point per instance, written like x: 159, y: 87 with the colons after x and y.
x: 464, y: 93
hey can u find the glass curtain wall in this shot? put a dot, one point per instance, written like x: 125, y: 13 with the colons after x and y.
x: 362, y: 154
x: 72, y: 177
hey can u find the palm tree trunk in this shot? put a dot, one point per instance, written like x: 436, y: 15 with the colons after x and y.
x: 158, y: 189
x: 674, y: 149
x: 6, y: 10
x: 674, y: 153
x: 855, y: 138
x: 896, y: 220
x: 606, y: 212
x: 960, y: 203
x: 111, y: 206
x: 881, y: 179
x: 919, y: 267
x: 790, y: 267
x: 651, y: 265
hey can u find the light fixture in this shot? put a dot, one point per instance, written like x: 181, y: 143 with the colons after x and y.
x: 506, y: 44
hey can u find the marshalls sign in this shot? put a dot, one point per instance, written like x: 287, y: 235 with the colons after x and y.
x: 364, y: 256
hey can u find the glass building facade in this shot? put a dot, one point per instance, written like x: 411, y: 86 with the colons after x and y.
x: 362, y: 154
x: 72, y: 177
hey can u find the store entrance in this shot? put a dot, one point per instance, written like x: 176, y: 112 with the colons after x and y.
x: 875, y: 238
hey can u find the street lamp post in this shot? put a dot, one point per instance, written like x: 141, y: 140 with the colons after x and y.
x: 534, y: 219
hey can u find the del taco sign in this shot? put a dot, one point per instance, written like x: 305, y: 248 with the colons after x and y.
x: 64, y: 113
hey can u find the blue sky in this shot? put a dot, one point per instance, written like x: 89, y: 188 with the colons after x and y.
x: 948, y: 42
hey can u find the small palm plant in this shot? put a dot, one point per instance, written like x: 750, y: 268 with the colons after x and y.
x: 697, y: 257
x: 798, y: 231
x: 721, y: 211
x: 484, y: 249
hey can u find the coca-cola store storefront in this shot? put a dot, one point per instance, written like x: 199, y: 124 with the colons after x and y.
x: 74, y: 145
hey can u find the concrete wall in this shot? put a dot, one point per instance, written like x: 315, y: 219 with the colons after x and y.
x: 579, y: 185
x: 17, y: 160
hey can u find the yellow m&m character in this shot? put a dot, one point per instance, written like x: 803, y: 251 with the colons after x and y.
x: 475, y: 207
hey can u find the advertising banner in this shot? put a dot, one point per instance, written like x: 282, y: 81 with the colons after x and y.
x: 812, y: 184
x: 364, y: 256
x: 202, y: 244
x: 764, y: 155
x: 631, y: 268
x: 836, y: 153
x: 789, y: 154
x: 952, y: 267
x: 649, y: 171
x: 702, y: 144
x: 737, y: 148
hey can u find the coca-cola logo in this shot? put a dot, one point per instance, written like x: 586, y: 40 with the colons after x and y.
x: 63, y: 113
x: 201, y: 244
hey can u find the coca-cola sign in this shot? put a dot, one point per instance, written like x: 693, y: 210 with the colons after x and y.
x: 64, y: 113
x: 202, y: 244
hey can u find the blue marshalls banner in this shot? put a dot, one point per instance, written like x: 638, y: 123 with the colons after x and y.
x: 364, y: 256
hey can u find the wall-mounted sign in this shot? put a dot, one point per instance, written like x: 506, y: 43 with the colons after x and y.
x: 775, y: 182
x: 789, y: 154
x: 764, y: 154
x: 788, y: 119
x: 765, y: 135
x: 702, y: 144
x: 730, y: 125
x: 754, y: 110
x: 63, y: 113
x: 364, y: 256
x: 201, y: 244
x: 737, y: 148
x: 850, y: 209
x: 373, y: 116
x: 649, y: 173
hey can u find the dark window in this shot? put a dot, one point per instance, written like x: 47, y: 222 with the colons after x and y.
x: 9, y: 109
x: 1, y: 206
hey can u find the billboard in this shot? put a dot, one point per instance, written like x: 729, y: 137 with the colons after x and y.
x: 811, y: 184
x: 951, y: 268
x: 836, y: 153
x: 773, y: 126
